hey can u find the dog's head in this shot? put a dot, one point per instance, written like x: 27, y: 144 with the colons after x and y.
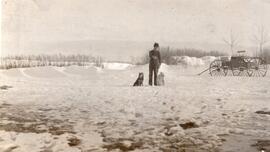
x: 140, y: 75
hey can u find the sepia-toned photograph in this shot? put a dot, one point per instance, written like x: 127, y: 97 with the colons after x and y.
x: 135, y: 76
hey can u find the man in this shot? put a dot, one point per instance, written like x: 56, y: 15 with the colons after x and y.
x: 154, y: 63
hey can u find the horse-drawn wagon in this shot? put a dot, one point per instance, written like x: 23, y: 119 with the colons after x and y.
x: 239, y: 66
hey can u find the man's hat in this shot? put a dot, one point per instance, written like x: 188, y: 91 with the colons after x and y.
x: 156, y: 45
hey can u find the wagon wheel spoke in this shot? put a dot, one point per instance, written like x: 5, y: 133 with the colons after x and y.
x: 262, y: 71
x: 216, y: 72
x: 225, y: 72
x: 216, y: 68
x: 259, y: 68
x: 250, y: 72
x: 259, y: 73
x: 235, y: 72
x: 246, y: 73
x: 243, y: 73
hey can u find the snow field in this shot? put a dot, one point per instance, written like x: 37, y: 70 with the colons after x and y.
x: 102, y: 110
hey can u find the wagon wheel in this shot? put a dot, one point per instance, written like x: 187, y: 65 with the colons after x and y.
x: 249, y: 63
x: 259, y: 68
x: 240, y: 71
x: 242, y: 68
x: 216, y: 69
x: 225, y: 70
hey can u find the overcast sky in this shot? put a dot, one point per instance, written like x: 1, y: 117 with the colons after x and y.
x: 29, y: 22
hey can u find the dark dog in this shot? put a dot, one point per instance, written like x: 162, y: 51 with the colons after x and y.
x: 160, y: 79
x: 139, y: 81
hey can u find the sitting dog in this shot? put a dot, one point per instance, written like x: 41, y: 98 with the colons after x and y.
x: 160, y: 79
x: 139, y: 81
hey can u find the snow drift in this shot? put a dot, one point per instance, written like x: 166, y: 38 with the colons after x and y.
x: 116, y: 66
x: 16, y: 73
x: 79, y: 70
x: 164, y: 68
x: 192, y: 61
x: 43, y: 72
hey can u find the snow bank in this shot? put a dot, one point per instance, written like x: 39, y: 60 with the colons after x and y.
x: 117, y: 66
x: 208, y: 59
x: 164, y: 68
x: 188, y: 61
x: 192, y: 61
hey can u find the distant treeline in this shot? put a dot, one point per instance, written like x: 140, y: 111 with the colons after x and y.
x: 167, y: 53
x: 53, y: 57
x: 24, y: 61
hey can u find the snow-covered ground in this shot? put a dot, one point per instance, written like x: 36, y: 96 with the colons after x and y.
x: 83, y: 109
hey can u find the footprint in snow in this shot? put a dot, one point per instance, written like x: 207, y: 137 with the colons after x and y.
x: 73, y: 141
x: 108, y: 102
x: 263, y: 112
x: 5, y: 87
x: 122, y: 111
x: 138, y: 115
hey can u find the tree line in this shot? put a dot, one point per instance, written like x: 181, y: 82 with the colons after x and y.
x: 60, y: 60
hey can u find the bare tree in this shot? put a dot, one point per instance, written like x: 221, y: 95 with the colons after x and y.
x: 232, y: 41
x: 261, y: 37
